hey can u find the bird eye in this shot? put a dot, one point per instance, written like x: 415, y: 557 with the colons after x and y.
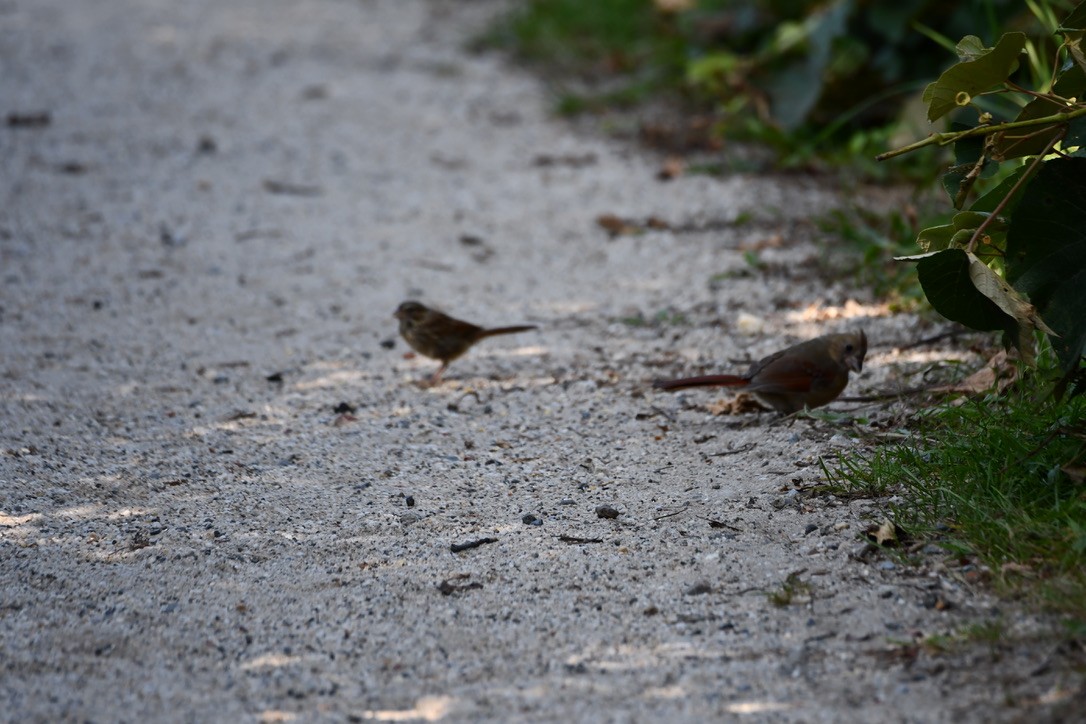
x: 848, y: 347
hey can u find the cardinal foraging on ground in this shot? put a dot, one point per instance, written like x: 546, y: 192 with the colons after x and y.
x: 809, y: 374
x: 441, y: 337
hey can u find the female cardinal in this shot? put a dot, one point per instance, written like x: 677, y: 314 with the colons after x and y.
x: 439, y: 336
x: 809, y: 374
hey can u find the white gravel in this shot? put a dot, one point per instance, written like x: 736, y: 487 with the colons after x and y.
x: 182, y: 539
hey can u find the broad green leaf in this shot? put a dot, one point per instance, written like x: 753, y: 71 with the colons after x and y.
x: 1076, y: 19
x: 948, y: 286
x: 959, y: 232
x: 1046, y: 252
x: 970, y: 48
x: 1074, y: 27
x: 959, y: 83
x: 1005, y: 297
x: 989, y: 201
x: 962, y: 288
x: 933, y: 238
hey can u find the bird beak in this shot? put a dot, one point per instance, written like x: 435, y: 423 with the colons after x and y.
x: 855, y: 361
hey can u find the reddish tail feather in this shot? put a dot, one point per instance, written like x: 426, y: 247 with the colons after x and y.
x: 705, y: 381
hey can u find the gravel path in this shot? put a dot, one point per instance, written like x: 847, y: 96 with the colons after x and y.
x: 223, y: 496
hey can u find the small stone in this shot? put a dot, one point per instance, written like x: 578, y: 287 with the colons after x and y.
x: 886, y: 565
x: 388, y: 343
x: 886, y: 592
x: 410, y: 500
x: 532, y: 519
x: 698, y: 589
x: 606, y: 511
x: 567, y: 501
x: 811, y: 528
x: 936, y: 602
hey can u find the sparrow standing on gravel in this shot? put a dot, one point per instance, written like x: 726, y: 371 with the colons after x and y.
x: 439, y: 336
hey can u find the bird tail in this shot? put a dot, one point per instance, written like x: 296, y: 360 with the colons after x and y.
x: 705, y: 381
x: 506, y: 330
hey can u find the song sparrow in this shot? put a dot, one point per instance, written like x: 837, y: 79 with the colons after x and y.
x: 441, y: 337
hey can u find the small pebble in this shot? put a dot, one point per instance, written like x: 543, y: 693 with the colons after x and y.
x: 886, y: 565
x: 410, y: 500
x: 532, y: 519
x: 606, y: 511
x: 811, y: 528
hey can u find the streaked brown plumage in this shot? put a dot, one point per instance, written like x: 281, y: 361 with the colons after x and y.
x: 439, y: 336
x: 809, y: 374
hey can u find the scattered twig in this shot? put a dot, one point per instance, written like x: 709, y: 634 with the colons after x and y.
x: 459, y: 547
x: 722, y: 524
x: 572, y: 539
x: 673, y: 514
x: 286, y: 188
x: 448, y: 588
x: 733, y: 451
x: 35, y: 119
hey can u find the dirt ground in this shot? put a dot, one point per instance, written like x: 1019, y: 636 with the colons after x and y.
x: 224, y: 496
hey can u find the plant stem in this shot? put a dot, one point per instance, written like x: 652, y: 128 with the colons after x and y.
x: 943, y: 139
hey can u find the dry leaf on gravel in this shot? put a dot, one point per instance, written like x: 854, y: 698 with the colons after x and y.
x: 738, y: 405
x: 998, y: 374
x: 884, y: 534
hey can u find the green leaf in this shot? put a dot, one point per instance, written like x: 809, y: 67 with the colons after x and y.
x: 1046, y: 252
x: 961, y: 82
x: 1076, y: 20
x: 989, y: 201
x: 962, y: 288
x: 970, y: 48
x: 958, y: 232
x: 1073, y: 28
x: 933, y: 238
x: 945, y: 278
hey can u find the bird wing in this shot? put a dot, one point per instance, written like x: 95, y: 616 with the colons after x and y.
x: 785, y: 373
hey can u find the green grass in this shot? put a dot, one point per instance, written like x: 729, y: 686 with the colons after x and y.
x: 602, y: 38
x: 867, y: 242
x: 793, y: 590
x: 998, y: 478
